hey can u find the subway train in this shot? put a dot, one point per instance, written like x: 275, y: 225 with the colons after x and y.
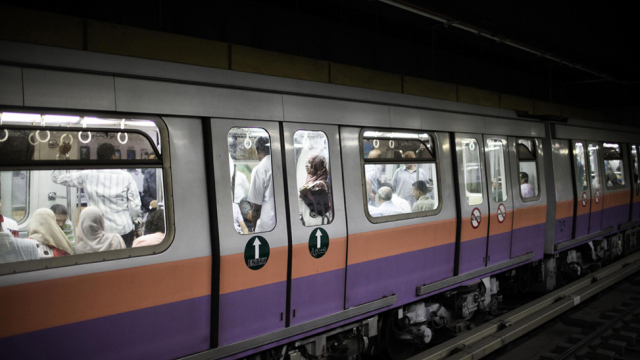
x: 300, y: 219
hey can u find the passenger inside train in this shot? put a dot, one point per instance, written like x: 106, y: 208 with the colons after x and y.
x: 154, y: 230
x: 395, y: 162
x: 421, y: 192
x: 52, y: 213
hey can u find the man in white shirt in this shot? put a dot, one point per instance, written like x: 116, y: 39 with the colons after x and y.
x: 404, y: 177
x: 8, y: 225
x: 402, y: 203
x: 263, y: 211
x: 113, y: 191
x: 387, y: 207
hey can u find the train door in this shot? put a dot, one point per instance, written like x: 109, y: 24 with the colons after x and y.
x: 252, y: 228
x: 615, y: 207
x: 582, y: 189
x: 635, y: 196
x: 500, y: 200
x: 318, y: 222
x: 597, y: 197
x: 473, y: 205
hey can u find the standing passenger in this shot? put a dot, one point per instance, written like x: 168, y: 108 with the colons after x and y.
x: 112, y: 191
x: 526, y: 189
x: 263, y: 212
x: 404, y: 177
x: 315, y: 194
x: 372, y: 171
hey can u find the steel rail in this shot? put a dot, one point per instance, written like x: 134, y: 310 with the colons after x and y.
x: 504, y: 329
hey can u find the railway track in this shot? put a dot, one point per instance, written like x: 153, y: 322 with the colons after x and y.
x: 617, y: 331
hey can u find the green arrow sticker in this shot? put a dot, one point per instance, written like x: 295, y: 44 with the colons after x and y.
x: 256, y: 252
x: 318, y: 243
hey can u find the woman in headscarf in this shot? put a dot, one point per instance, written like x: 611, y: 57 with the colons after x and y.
x: 52, y: 242
x: 315, y: 194
x: 91, y: 236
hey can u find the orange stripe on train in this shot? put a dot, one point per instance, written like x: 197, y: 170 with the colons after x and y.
x: 378, y: 244
x: 303, y: 264
x: 45, y: 304
x: 564, y: 209
x: 236, y: 276
x: 496, y: 227
x: 616, y: 199
x: 529, y: 216
x: 467, y: 232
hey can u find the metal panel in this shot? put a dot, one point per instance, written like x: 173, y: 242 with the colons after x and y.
x: 137, y: 95
x: 407, y: 118
x: 115, y: 64
x: 513, y: 127
x: 57, y: 89
x: 446, y: 121
x: 11, y: 86
x: 575, y: 132
x: 326, y: 111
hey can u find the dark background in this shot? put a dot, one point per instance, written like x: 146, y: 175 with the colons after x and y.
x: 375, y: 35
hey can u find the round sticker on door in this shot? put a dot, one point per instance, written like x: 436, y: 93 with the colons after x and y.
x: 318, y: 242
x: 597, y: 196
x: 584, y: 199
x: 502, y: 213
x: 476, y: 217
x: 256, y: 252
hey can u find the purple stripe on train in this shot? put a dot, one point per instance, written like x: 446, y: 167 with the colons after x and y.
x: 582, y: 225
x: 398, y: 274
x: 615, y: 215
x: 472, y: 254
x: 528, y: 239
x: 166, y: 331
x: 499, y: 248
x: 251, y: 312
x: 636, y: 211
x: 563, y: 230
x: 317, y: 295
x: 595, y: 222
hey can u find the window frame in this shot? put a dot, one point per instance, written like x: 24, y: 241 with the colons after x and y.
x: 480, y: 170
x: 435, y: 160
x: 535, y: 161
x: 162, y: 162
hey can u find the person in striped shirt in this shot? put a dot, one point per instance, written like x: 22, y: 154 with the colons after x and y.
x: 62, y: 219
x: 113, y: 191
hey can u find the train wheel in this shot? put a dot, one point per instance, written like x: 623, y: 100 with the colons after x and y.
x: 392, y: 346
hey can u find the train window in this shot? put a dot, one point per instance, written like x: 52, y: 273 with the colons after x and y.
x: 472, y: 171
x: 400, y: 174
x: 593, y: 166
x: 581, y: 167
x: 634, y: 154
x: 78, y: 196
x: 251, y: 180
x: 528, y: 169
x: 613, y: 165
x: 14, y: 194
x: 497, y: 172
x: 313, y: 177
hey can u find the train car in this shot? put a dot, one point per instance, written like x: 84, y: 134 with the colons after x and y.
x: 285, y: 218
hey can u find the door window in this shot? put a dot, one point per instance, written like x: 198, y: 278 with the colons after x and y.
x: 528, y: 169
x: 250, y: 169
x: 311, y: 151
x: 580, y: 167
x: 497, y: 172
x: 472, y: 171
x: 613, y: 165
x: 593, y: 166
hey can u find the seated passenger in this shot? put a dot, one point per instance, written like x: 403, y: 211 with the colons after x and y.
x: 526, y: 189
x: 62, y: 219
x: 610, y: 175
x: 386, y: 206
x: 91, y: 235
x: 10, y: 226
x: 245, y: 208
x: 13, y: 249
x: 402, y: 203
x: 315, y: 194
x: 238, y: 221
x: 421, y: 193
x: 51, y: 241
x: 153, y: 230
